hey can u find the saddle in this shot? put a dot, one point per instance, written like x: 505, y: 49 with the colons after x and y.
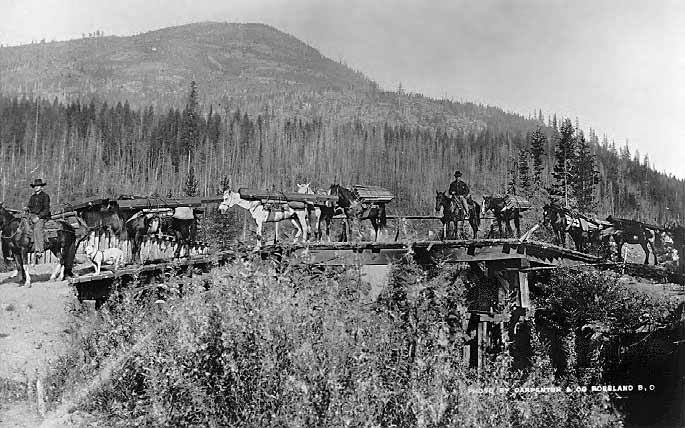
x: 50, y: 228
x: 271, y: 205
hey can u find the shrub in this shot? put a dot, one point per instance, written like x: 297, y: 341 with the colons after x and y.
x: 261, y: 345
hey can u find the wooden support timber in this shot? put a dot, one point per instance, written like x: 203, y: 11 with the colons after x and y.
x: 265, y: 195
x: 98, y: 286
x: 139, y: 204
x: 431, y: 252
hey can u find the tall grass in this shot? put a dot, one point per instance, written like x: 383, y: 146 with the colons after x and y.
x: 256, y: 344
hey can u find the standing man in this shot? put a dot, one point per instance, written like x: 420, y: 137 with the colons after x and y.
x: 39, y: 211
x: 459, y: 190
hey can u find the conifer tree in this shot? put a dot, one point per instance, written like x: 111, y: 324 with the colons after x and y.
x: 537, y: 142
x: 585, y: 175
x: 190, y: 125
x: 524, y: 172
x: 191, y: 183
x: 513, y: 182
x: 564, y: 153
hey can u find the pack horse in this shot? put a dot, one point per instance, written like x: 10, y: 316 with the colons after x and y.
x: 62, y: 238
x: 272, y: 209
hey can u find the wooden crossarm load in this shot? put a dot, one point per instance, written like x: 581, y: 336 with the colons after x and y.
x: 625, y: 222
x: 80, y: 206
x: 284, y: 197
x: 373, y: 194
x: 514, y: 201
x: 142, y: 203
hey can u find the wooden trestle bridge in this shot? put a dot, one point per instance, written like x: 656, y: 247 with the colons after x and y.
x: 507, y: 262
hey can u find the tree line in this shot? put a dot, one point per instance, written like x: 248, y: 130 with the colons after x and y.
x: 94, y: 149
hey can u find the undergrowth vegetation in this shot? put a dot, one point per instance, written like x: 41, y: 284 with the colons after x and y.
x: 258, y: 344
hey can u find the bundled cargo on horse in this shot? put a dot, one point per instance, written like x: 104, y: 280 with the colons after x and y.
x: 293, y: 199
x: 372, y: 194
x: 575, y: 219
x: 516, y: 202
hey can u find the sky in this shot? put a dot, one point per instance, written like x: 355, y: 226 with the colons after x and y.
x: 616, y: 65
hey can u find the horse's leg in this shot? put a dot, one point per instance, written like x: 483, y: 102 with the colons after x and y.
x: 260, y: 224
x: 326, y: 228
x: 27, y: 277
x: 345, y: 227
x: 317, y: 222
x: 304, y: 224
x: 374, y: 223
x: 19, y: 265
x: 517, y: 224
x: 646, y: 250
x: 653, y: 251
x: 619, y: 247
x: 58, y: 268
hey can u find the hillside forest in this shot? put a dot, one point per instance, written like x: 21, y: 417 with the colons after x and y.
x: 89, y: 149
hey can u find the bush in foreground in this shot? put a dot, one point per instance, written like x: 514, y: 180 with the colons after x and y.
x: 257, y: 345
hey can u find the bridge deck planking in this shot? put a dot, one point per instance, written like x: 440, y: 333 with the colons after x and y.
x: 458, y: 251
x: 152, y: 268
x: 382, y: 253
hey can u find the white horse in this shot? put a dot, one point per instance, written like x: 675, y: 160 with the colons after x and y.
x: 262, y: 215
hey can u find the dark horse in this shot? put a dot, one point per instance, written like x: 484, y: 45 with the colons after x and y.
x: 141, y: 224
x: 137, y: 226
x: 497, y: 203
x: 555, y: 217
x: 181, y: 227
x: 105, y: 219
x: 354, y: 210
x: 452, y: 212
x: 630, y: 232
x: 18, y: 239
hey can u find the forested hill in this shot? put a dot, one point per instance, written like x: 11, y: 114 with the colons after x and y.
x: 245, y: 66
x: 113, y: 115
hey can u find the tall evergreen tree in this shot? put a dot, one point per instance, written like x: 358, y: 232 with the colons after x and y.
x: 191, y: 183
x: 190, y: 126
x: 537, y: 142
x: 585, y: 175
x: 513, y: 182
x: 564, y: 153
x: 523, y: 164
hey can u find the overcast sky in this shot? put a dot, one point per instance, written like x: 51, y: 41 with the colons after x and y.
x: 617, y: 65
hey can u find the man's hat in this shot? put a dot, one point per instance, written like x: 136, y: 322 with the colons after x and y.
x: 38, y: 182
x: 457, y: 173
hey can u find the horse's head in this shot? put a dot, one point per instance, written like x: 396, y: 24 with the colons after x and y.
x: 487, y: 202
x: 439, y: 200
x: 345, y: 196
x: 6, y: 216
x: 305, y: 188
x: 152, y: 224
x: 230, y: 199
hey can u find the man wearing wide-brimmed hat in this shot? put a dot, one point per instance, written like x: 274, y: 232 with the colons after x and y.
x: 460, y: 190
x: 39, y: 210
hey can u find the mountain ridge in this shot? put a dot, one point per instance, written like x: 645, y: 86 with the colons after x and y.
x: 241, y: 65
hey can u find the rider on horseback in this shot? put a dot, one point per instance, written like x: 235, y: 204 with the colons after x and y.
x: 39, y: 212
x: 459, y: 190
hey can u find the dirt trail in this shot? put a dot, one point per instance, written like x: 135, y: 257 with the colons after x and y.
x: 34, y: 332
